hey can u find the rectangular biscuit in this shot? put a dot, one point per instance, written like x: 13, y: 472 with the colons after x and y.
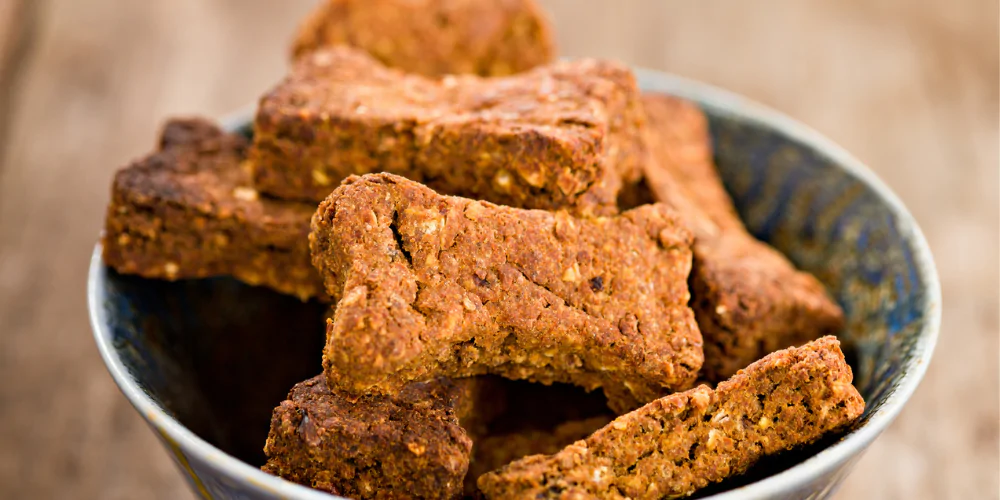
x: 680, y: 443
x: 564, y: 135
x: 187, y: 211
x: 434, y: 37
x: 748, y: 298
x: 416, y: 444
x: 434, y: 285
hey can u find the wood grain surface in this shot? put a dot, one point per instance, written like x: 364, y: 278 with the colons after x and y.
x: 910, y: 87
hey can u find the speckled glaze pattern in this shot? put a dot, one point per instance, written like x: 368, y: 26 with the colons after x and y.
x: 174, y: 348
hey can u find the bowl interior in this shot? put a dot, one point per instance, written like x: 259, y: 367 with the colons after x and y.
x: 217, y: 355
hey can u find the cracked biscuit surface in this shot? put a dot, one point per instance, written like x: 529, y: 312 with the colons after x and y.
x: 434, y: 37
x: 188, y: 210
x: 680, y: 443
x: 434, y: 285
x: 565, y: 135
x: 748, y: 298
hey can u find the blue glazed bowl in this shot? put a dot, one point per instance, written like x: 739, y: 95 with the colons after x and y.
x: 205, y: 361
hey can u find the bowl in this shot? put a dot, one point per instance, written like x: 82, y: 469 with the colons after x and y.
x: 205, y: 361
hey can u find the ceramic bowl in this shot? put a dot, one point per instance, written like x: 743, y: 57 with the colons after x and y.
x: 204, y: 361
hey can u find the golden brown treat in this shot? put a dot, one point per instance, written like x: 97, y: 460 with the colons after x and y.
x: 492, y: 452
x: 564, y: 135
x: 434, y: 285
x: 187, y: 211
x: 677, y: 444
x: 748, y: 298
x: 435, y: 37
x: 415, y: 444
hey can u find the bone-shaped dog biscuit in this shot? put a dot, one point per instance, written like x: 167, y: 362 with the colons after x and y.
x: 433, y: 285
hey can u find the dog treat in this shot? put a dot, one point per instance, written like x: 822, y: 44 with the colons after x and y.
x: 682, y: 442
x: 566, y: 135
x: 435, y: 37
x: 187, y: 211
x: 748, y: 298
x: 415, y: 444
x: 433, y: 285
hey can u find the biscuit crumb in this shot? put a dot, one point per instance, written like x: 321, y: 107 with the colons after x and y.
x: 502, y: 180
x: 320, y: 177
x: 245, y: 193
x: 171, y: 269
x: 572, y: 274
x: 417, y: 448
x: 469, y: 304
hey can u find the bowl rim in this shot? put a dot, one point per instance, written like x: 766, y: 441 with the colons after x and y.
x: 719, y: 102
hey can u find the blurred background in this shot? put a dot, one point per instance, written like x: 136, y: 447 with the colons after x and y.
x: 908, y: 86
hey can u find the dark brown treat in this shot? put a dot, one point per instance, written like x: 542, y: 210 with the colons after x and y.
x: 435, y: 37
x: 187, y: 211
x: 412, y: 445
x: 493, y: 452
x: 677, y: 444
x: 748, y: 298
x: 433, y: 285
x: 564, y: 135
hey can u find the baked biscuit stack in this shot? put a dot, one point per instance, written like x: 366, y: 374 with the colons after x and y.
x: 476, y: 213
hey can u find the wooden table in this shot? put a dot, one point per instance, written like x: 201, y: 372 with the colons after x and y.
x: 909, y: 86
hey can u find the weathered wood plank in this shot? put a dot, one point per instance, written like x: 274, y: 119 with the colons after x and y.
x: 16, y: 20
